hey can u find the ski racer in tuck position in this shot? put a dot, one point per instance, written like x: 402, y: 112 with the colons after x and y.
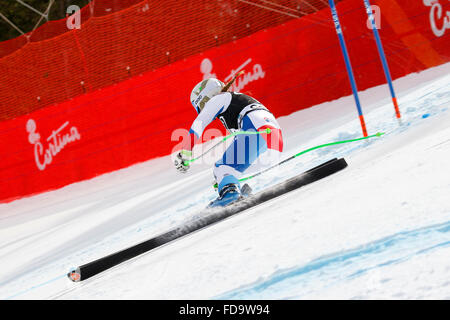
x: 248, y: 152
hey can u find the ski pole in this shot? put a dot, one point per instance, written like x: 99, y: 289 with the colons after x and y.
x: 379, y: 134
x: 187, y: 162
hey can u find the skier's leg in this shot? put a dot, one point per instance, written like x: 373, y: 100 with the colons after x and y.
x: 269, y: 145
x: 261, y: 120
x: 248, y: 153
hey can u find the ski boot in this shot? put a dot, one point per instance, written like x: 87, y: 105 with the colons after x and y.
x: 229, y: 194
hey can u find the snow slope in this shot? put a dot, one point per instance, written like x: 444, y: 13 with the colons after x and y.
x: 378, y: 229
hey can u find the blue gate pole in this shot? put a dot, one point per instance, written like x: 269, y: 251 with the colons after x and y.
x: 348, y: 65
x: 382, y: 57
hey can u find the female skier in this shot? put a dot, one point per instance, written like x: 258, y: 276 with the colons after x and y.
x: 248, y: 152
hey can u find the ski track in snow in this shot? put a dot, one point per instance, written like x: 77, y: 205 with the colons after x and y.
x: 353, y: 235
x: 343, y: 266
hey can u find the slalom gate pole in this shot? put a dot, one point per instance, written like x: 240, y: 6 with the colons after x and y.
x: 348, y: 65
x: 379, y: 134
x: 383, y: 59
x: 226, y: 138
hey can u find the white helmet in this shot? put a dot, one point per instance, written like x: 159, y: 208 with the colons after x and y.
x: 204, y: 91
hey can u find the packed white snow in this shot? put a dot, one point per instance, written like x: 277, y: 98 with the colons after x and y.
x: 380, y: 229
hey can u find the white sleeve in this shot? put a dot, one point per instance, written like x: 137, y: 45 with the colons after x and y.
x: 212, y: 109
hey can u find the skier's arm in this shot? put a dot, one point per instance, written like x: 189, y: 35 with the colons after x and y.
x: 212, y: 109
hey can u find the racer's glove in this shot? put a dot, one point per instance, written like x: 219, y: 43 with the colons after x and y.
x: 181, y: 161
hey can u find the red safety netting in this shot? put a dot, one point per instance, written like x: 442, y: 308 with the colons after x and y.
x: 51, y: 29
x: 289, y: 67
x: 122, y: 39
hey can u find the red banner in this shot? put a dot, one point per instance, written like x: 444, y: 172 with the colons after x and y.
x: 288, y: 68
